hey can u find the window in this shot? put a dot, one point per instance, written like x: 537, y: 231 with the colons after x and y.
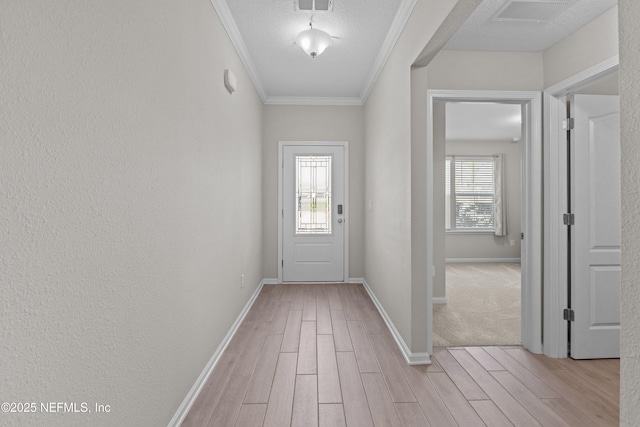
x: 313, y: 194
x: 469, y: 193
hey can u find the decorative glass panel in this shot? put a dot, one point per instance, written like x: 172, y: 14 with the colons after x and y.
x: 313, y: 194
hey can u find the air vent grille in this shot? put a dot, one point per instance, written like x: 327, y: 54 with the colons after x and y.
x: 314, y: 5
x: 531, y: 10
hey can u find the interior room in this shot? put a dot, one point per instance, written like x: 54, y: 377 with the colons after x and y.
x: 481, y: 300
x: 154, y: 268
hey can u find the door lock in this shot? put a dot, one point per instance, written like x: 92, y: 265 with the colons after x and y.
x: 339, y: 209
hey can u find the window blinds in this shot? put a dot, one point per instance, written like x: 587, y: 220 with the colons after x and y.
x: 470, y: 200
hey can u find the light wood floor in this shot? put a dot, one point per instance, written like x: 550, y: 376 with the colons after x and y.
x: 309, y: 355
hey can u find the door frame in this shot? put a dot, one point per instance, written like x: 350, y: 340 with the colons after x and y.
x: 345, y: 146
x: 555, y: 197
x: 531, y: 199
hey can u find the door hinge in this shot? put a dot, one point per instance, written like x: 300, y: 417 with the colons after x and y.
x: 521, y: 236
x: 282, y: 263
x: 569, y: 314
x: 569, y: 219
x: 568, y: 124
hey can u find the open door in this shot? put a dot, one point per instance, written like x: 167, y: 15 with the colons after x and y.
x: 595, y: 199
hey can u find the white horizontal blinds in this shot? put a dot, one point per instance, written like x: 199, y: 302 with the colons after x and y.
x: 473, y: 192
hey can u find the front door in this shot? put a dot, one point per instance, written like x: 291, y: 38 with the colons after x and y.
x: 314, y: 212
x: 595, y: 237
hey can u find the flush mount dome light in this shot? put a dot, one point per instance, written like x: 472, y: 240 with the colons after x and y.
x: 313, y: 41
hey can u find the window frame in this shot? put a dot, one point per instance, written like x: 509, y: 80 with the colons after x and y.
x: 450, y: 202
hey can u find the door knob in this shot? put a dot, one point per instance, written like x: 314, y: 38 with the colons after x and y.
x: 339, y: 220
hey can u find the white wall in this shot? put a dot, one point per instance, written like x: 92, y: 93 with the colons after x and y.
x: 439, y: 237
x: 396, y: 275
x: 590, y: 45
x: 130, y: 188
x: 470, y: 70
x: 630, y: 297
x: 312, y: 123
x: 465, y: 245
x: 467, y: 70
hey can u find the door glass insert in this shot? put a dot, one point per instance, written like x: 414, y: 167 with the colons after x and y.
x: 313, y: 194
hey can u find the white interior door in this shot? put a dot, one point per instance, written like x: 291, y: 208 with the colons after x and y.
x: 314, y: 213
x: 595, y: 237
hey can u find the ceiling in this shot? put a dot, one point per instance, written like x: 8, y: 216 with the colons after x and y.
x: 363, y: 37
x: 482, y: 32
x: 364, y: 33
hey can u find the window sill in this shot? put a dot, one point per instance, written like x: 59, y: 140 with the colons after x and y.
x: 453, y: 232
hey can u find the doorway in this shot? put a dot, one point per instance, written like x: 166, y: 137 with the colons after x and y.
x: 582, y: 292
x: 479, y: 300
x: 531, y: 193
x: 313, y: 221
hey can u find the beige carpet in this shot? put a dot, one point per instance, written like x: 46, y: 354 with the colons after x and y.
x: 483, y: 306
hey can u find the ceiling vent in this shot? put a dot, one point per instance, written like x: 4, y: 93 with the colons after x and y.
x: 314, y: 5
x: 531, y: 10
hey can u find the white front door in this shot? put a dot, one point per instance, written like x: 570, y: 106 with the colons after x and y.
x: 314, y: 212
x: 595, y: 237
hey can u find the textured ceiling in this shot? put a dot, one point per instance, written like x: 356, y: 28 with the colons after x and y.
x: 481, y: 32
x: 364, y: 33
x: 359, y: 28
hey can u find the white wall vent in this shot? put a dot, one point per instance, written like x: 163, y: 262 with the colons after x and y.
x: 314, y: 5
x: 531, y: 10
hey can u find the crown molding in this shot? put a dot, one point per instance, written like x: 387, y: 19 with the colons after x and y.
x: 301, y: 100
x: 229, y: 24
x: 398, y: 24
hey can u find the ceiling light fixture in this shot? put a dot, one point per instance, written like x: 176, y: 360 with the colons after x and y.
x: 313, y: 41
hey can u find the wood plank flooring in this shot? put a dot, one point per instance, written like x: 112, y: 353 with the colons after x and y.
x: 321, y: 355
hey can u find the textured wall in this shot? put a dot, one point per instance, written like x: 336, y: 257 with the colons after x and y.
x: 130, y: 204
x: 313, y: 123
x: 465, y: 70
x: 630, y: 123
x: 590, y: 45
x: 388, y: 175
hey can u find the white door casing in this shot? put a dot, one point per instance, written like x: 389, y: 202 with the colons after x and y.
x: 595, y: 235
x: 313, y: 224
x: 531, y: 253
x: 556, y: 264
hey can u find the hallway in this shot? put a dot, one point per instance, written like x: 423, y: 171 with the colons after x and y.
x: 310, y: 355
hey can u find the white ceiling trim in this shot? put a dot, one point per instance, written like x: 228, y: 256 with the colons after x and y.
x: 236, y: 39
x: 299, y: 100
x: 400, y: 20
x: 585, y: 76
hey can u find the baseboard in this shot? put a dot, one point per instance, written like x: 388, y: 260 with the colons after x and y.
x: 440, y: 300
x: 517, y: 260
x: 411, y: 358
x: 189, y: 400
